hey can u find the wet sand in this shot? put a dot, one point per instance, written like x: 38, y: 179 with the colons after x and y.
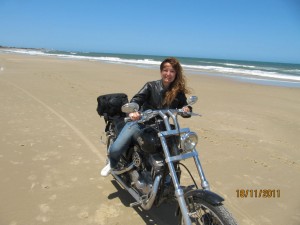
x: 51, y: 150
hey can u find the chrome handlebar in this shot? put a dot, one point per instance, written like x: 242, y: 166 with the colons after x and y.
x: 149, y: 114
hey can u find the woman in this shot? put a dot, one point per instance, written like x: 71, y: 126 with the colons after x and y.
x: 168, y: 92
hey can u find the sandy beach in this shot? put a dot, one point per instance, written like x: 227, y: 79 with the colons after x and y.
x: 51, y: 150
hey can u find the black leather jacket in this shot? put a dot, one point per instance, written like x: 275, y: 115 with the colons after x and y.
x: 152, y: 94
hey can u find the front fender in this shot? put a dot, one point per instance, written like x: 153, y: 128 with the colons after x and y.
x: 208, y: 196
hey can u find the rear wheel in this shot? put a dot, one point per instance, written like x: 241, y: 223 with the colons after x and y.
x: 110, y: 141
x: 201, y: 212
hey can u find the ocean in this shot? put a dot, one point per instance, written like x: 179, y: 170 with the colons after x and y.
x: 265, y: 73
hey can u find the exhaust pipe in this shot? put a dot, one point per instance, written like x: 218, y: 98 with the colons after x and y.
x: 146, y: 204
x: 118, y: 172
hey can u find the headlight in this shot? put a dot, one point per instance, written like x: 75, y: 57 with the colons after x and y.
x: 189, y: 141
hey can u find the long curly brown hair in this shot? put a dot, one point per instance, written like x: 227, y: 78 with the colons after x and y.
x: 179, y: 83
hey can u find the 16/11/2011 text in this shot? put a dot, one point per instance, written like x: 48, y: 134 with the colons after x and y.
x: 258, y: 193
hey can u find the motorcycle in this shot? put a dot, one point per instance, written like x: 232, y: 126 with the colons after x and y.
x: 150, y: 170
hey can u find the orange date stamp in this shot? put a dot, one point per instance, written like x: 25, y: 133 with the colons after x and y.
x: 258, y: 193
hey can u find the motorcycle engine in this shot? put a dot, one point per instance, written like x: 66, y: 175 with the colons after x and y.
x: 142, y: 181
x: 146, y: 169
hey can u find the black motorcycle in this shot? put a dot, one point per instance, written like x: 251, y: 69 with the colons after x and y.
x: 150, y: 170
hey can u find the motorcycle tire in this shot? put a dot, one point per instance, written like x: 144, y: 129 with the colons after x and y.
x: 204, y: 213
x: 110, y: 141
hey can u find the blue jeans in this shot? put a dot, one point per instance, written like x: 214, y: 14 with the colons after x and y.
x: 122, y: 142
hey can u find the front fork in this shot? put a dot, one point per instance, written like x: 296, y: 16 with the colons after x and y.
x: 179, y: 193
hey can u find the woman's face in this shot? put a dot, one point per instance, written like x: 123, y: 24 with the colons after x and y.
x: 168, y: 74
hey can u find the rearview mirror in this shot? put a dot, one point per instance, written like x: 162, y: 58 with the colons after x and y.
x: 192, y: 100
x: 130, y: 107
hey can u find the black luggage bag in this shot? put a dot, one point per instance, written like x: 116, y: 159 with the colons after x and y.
x: 109, y: 105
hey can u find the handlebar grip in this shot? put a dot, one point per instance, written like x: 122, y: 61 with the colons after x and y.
x: 127, y: 119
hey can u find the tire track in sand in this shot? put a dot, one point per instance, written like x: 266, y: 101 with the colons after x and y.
x: 91, y: 146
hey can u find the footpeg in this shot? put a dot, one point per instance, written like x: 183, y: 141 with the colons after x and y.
x: 135, y: 204
x: 140, y: 202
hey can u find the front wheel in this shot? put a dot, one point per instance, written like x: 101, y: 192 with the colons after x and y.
x: 202, y: 212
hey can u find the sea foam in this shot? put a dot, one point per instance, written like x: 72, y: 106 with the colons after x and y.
x: 287, y: 72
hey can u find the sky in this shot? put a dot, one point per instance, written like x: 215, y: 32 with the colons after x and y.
x: 257, y: 30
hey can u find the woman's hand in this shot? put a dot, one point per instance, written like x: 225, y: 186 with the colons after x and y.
x: 185, y: 109
x: 134, y: 116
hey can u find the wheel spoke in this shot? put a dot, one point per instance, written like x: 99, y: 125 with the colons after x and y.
x: 203, y: 213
